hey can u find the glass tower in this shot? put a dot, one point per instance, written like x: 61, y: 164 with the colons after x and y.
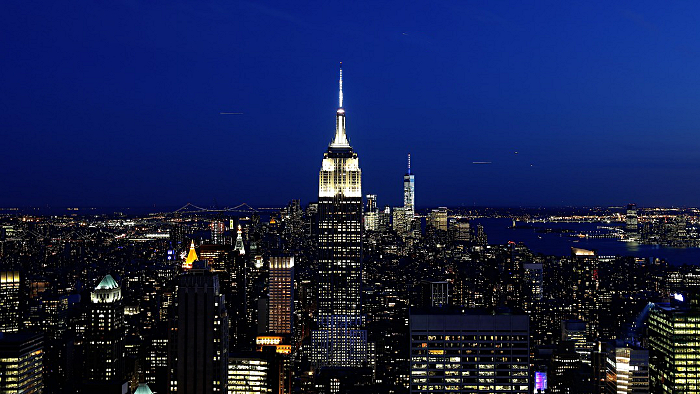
x: 409, y: 192
x: 340, y: 340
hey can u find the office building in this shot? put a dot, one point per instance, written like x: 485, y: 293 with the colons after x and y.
x: 585, y: 293
x: 435, y: 294
x: 217, y: 229
x: 631, y: 220
x: 533, y: 275
x: 469, y: 351
x: 401, y: 222
x: 438, y: 219
x: 199, y: 334
x: 104, y: 340
x: 563, y: 375
x: 340, y: 340
x: 9, y: 301
x: 628, y: 371
x: 574, y: 330
x: 281, y: 294
x: 371, y: 213
x: 250, y: 373
x: 674, y: 360
x: 462, y: 230
x: 21, y: 357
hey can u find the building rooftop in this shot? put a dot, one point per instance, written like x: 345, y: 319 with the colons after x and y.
x: 107, y: 283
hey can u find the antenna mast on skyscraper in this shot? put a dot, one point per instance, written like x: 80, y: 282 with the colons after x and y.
x: 340, y: 83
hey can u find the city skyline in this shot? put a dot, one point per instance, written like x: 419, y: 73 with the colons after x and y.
x: 184, y: 106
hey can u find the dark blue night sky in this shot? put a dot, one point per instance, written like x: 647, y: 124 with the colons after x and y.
x: 118, y: 103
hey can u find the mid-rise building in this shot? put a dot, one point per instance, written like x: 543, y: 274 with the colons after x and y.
x: 469, y: 351
x: 250, y: 373
x: 435, y: 294
x: 438, y: 219
x: 21, y: 356
x: 628, y: 371
x: 574, y: 330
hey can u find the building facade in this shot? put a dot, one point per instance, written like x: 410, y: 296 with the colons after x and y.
x: 340, y: 340
x: 281, y: 295
x: 21, y: 357
x: 9, y: 301
x: 469, y: 351
x: 198, y: 355
x: 674, y: 361
x: 104, y: 339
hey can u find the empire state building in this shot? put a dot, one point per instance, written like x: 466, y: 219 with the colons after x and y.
x: 340, y: 340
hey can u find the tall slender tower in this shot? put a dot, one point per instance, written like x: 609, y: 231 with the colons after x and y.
x: 340, y: 340
x: 409, y: 192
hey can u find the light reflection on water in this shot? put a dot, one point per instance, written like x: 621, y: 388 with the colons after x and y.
x: 499, y: 232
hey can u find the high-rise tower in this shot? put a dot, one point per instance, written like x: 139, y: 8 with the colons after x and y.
x: 9, y: 301
x: 409, y: 192
x: 340, y: 340
x: 104, y: 339
x: 198, y: 334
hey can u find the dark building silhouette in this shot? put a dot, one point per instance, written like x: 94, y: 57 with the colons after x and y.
x: 199, y: 334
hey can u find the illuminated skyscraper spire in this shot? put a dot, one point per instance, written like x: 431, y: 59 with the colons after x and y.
x: 409, y: 163
x: 340, y: 83
x: 191, y: 257
x: 340, y: 140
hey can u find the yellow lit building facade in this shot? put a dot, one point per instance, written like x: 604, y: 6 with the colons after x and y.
x: 674, y: 349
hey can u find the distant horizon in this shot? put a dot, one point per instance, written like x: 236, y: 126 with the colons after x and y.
x: 140, y: 210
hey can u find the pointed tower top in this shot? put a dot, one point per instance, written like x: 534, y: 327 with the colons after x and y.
x: 191, y: 257
x: 107, y: 283
x: 341, y: 139
x: 143, y: 389
x: 340, y: 84
x: 409, y: 163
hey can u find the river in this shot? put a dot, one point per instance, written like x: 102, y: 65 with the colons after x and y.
x: 499, y: 232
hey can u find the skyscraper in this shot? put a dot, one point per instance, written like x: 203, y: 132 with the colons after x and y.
x: 199, y: 334
x: 409, y: 192
x: 673, y: 356
x: 281, y: 293
x: 371, y: 213
x: 9, y: 301
x: 104, y: 339
x: 340, y: 340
